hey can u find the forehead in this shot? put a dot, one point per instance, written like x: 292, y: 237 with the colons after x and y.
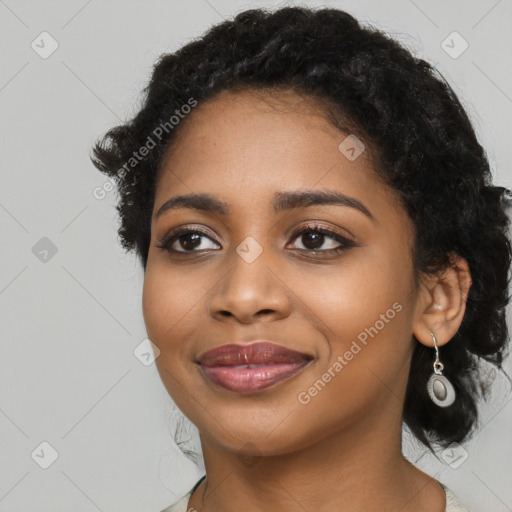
x: 252, y: 123
x: 250, y: 143
x: 284, y: 109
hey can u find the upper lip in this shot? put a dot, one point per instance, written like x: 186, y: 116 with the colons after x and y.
x: 259, y: 352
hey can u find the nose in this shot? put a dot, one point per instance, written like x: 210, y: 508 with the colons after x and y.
x: 250, y: 292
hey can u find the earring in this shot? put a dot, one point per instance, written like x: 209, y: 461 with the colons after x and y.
x: 439, y: 388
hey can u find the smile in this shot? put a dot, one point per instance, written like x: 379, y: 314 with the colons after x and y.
x: 249, y: 368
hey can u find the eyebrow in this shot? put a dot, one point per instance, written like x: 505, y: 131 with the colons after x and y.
x: 282, y: 201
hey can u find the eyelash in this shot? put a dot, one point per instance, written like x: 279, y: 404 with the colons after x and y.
x: 166, y: 241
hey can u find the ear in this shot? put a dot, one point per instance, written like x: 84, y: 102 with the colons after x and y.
x: 441, y: 302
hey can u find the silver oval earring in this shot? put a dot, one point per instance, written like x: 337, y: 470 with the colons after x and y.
x: 440, y: 389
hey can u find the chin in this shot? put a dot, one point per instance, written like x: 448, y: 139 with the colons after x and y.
x: 264, y: 439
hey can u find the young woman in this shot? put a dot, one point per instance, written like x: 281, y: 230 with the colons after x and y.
x: 325, y: 255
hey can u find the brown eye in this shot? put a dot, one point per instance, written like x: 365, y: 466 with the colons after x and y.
x: 321, y: 240
x: 312, y: 240
x: 187, y: 240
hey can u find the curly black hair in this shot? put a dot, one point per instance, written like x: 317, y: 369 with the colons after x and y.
x: 421, y: 142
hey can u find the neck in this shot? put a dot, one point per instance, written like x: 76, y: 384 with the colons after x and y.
x: 359, y: 468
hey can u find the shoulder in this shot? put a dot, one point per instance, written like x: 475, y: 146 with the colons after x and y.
x: 179, y: 506
x: 452, y: 502
x: 182, y: 504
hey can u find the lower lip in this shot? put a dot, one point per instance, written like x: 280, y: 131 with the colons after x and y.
x: 247, y: 380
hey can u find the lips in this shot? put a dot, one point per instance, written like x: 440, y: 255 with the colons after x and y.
x: 248, y: 368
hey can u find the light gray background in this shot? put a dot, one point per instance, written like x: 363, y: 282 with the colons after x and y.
x: 70, y: 325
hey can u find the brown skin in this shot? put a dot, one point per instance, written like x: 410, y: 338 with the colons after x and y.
x: 266, y: 450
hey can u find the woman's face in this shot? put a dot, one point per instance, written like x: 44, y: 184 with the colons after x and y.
x: 344, y: 301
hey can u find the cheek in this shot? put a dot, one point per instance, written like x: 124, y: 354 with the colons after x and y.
x: 351, y: 297
x: 169, y: 303
x: 365, y: 320
x: 170, y: 318
x: 364, y: 312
